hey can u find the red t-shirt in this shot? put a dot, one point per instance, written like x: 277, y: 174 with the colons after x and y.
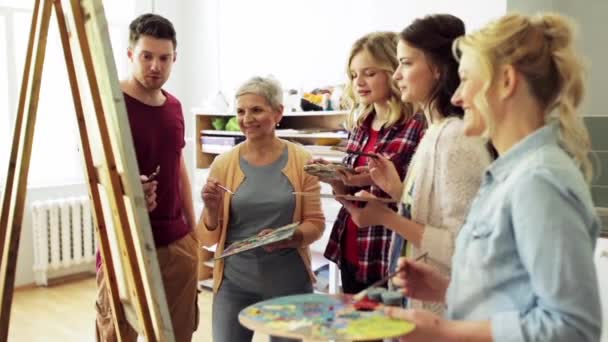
x: 350, y: 248
x: 158, y: 137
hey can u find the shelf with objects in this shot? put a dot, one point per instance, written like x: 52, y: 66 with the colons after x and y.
x: 318, y: 131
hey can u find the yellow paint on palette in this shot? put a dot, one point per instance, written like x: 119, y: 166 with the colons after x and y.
x: 289, y: 325
x: 283, y: 307
x: 377, y: 327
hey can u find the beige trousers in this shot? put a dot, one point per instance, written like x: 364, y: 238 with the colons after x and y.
x: 179, y: 270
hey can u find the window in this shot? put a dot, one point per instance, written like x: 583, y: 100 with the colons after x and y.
x: 56, y: 157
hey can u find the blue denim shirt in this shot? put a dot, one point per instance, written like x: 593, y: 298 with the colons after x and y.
x: 524, y: 257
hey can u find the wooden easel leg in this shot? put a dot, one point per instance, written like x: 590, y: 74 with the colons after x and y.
x: 120, y: 323
x: 10, y: 179
x: 132, y: 269
x: 14, y: 196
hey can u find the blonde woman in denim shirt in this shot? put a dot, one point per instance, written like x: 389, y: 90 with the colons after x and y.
x: 523, y: 266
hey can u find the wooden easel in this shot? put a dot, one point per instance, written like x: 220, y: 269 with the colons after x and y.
x: 110, y: 166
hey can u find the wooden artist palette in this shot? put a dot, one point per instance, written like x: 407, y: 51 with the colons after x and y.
x: 320, y: 317
x: 347, y: 197
x: 327, y: 171
x: 255, y: 241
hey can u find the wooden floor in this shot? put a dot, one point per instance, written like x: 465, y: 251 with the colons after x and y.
x: 66, y: 313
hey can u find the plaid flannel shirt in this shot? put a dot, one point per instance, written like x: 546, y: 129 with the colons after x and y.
x: 399, y: 143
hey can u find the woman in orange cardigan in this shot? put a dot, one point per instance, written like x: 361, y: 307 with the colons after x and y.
x: 263, y: 172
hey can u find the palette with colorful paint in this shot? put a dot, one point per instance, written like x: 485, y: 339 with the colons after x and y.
x: 320, y: 317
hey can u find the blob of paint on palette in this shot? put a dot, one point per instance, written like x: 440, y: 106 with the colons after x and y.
x: 365, y: 304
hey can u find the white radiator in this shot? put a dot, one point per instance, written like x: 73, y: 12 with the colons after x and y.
x: 64, y: 238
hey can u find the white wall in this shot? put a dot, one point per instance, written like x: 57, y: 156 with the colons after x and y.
x: 306, y: 44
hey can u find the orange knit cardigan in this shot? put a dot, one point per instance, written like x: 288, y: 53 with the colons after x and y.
x: 226, y: 169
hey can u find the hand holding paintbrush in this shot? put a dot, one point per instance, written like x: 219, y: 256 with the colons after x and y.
x: 358, y: 153
x: 421, y: 281
x: 362, y: 294
x: 149, y: 187
x: 153, y: 175
x: 224, y: 188
x: 212, y: 195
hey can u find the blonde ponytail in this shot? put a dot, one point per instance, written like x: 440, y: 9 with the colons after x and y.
x: 574, y: 136
x: 541, y: 48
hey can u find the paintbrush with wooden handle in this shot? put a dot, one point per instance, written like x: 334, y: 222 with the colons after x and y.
x: 363, y: 293
x: 153, y: 175
x: 224, y: 188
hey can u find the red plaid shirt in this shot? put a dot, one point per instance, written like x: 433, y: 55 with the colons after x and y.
x: 399, y: 143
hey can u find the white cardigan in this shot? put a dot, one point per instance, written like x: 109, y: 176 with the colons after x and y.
x: 448, y: 167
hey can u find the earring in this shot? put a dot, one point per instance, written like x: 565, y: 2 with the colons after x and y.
x: 278, y: 123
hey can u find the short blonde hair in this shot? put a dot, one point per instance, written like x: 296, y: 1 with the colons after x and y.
x: 541, y: 48
x: 382, y: 47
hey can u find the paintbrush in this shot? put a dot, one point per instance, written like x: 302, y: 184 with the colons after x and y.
x: 363, y: 154
x: 363, y: 293
x: 358, y: 153
x: 153, y: 175
x: 224, y: 188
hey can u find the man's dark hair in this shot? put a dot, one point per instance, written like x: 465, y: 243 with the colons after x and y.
x: 152, y: 25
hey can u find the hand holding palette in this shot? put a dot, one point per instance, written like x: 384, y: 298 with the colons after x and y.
x: 353, y: 198
x: 327, y: 171
x: 255, y: 241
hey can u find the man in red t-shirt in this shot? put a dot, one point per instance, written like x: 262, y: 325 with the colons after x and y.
x: 157, y: 126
